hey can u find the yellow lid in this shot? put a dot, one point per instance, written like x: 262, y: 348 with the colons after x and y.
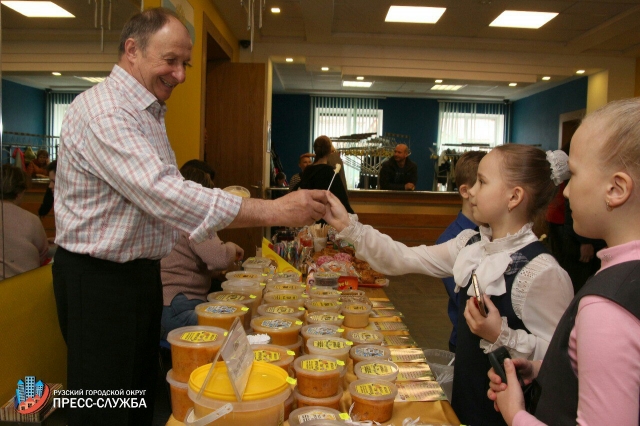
x: 265, y: 381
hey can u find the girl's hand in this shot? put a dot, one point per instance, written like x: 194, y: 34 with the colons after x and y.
x: 488, y: 328
x: 336, y: 215
x: 507, y: 399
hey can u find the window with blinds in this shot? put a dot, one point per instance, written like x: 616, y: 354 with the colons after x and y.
x: 335, y: 117
x: 57, y: 105
x: 469, y: 125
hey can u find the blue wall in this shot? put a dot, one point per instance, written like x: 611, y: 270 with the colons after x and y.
x: 23, y: 108
x: 290, y: 129
x: 536, y: 118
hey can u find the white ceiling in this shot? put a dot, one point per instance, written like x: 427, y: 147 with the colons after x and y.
x: 351, y: 38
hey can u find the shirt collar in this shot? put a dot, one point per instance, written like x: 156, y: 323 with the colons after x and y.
x: 619, y: 254
x: 138, y: 95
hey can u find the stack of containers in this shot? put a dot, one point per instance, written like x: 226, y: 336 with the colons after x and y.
x: 319, y: 381
x: 191, y: 347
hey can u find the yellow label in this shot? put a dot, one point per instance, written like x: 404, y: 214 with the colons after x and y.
x: 373, y: 389
x: 364, y: 336
x: 345, y: 416
x: 291, y: 296
x: 298, y: 322
x: 318, y: 365
x: 291, y: 380
x: 340, y: 362
x: 266, y: 356
x: 199, y: 336
x: 280, y: 310
x: 315, y: 415
x: 357, y: 308
x: 300, y: 308
x: 244, y: 309
x: 340, y: 330
x: 323, y: 304
x: 375, y: 369
x: 228, y: 297
x: 253, y: 296
x: 286, y: 286
x: 340, y: 316
x: 318, y: 317
x: 329, y: 344
x: 292, y: 353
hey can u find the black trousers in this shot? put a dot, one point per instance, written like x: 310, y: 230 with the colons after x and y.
x: 109, y: 315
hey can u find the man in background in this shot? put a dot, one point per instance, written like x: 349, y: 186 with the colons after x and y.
x: 120, y: 204
x: 303, y: 162
x: 399, y: 173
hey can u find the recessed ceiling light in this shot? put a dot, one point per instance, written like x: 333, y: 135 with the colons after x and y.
x: 545, y: 78
x: 414, y: 14
x: 580, y: 72
x: 360, y: 78
x: 38, y: 9
x: 438, y: 81
x: 522, y: 19
x: 95, y: 80
x: 275, y: 10
x: 449, y: 87
x: 357, y: 83
x: 513, y: 84
x: 325, y: 68
x: 56, y: 73
x: 289, y: 59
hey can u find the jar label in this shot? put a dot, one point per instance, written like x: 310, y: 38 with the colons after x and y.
x: 364, y: 336
x: 315, y: 415
x: 318, y: 365
x: 199, y: 336
x: 375, y: 369
x: 329, y: 344
x: 357, y: 308
x: 276, y: 323
x: 221, y: 309
x: 323, y: 304
x: 320, y: 330
x: 230, y: 297
x: 285, y: 287
x: 291, y: 296
x: 373, y: 389
x: 266, y: 356
x: 323, y: 317
x: 369, y: 352
x: 325, y: 293
x: 280, y: 310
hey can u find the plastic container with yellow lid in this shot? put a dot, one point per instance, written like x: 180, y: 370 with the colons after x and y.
x: 336, y: 347
x: 322, y: 317
x: 262, y: 402
x: 220, y: 314
x: 294, y: 287
x: 324, y: 293
x: 324, y: 305
x: 356, y: 315
x: 365, y: 352
x: 372, y: 399
x: 318, y: 376
x: 288, y: 297
x: 306, y: 414
x: 249, y: 300
x: 193, y: 346
x: 274, y: 355
x: 282, y: 330
x: 318, y: 330
x: 296, y: 312
x: 365, y: 337
x: 379, y: 369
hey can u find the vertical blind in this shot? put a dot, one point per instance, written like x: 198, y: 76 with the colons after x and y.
x: 57, y: 105
x: 335, y: 117
x: 470, y: 125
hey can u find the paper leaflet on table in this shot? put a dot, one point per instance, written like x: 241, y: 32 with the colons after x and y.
x: 283, y: 265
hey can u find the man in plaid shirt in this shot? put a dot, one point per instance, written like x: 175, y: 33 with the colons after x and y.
x: 120, y: 202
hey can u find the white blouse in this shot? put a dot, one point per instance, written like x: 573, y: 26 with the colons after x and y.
x: 540, y: 293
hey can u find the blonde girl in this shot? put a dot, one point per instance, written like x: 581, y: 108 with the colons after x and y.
x: 526, y: 290
x: 591, y: 372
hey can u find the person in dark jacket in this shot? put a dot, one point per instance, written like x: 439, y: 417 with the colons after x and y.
x: 320, y: 174
x: 399, y: 173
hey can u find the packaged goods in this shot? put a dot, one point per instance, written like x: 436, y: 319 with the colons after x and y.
x: 372, y: 399
x: 192, y: 347
x: 318, y: 376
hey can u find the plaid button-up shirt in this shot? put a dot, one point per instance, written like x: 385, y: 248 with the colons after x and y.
x: 119, y: 195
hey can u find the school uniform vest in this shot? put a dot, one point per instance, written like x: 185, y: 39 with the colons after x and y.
x: 557, y: 383
x: 470, y: 381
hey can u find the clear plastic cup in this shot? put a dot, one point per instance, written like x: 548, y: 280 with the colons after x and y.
x: 365, y: 337
x: 244, y: 286
x: 373, y: 399
x: 330, y: 402
x: 191, y: 347
x: 274, y: 355
x: 320, y: 330
x: 249, y: 300
x: 336, y: 347
x: 220, y: 314
x: 356, y: 315
x: 180, y: 402
x: 282, y: 330
x: 379, y: 369
x: 268, y: 309
x: 367, y: 352
x: 287, y: 297
x: 324, y: 293
x: 318, y: 376
x: 325, y: 305
x: 322, y: 317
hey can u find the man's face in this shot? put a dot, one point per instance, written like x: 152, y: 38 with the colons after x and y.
x: 304, y: 163
x: 400, y: 153
x: 162, y: 65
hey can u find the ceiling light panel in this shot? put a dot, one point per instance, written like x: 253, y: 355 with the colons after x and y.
x: 447, y: 87
x: 38, y: 9
x: 414, y: 14
x: 522, y: 19
x: 357, y: 83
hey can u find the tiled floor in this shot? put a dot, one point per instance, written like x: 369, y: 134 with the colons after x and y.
x: 423, y: 303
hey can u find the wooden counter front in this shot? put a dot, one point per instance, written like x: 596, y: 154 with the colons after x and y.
x: 411, y: 217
